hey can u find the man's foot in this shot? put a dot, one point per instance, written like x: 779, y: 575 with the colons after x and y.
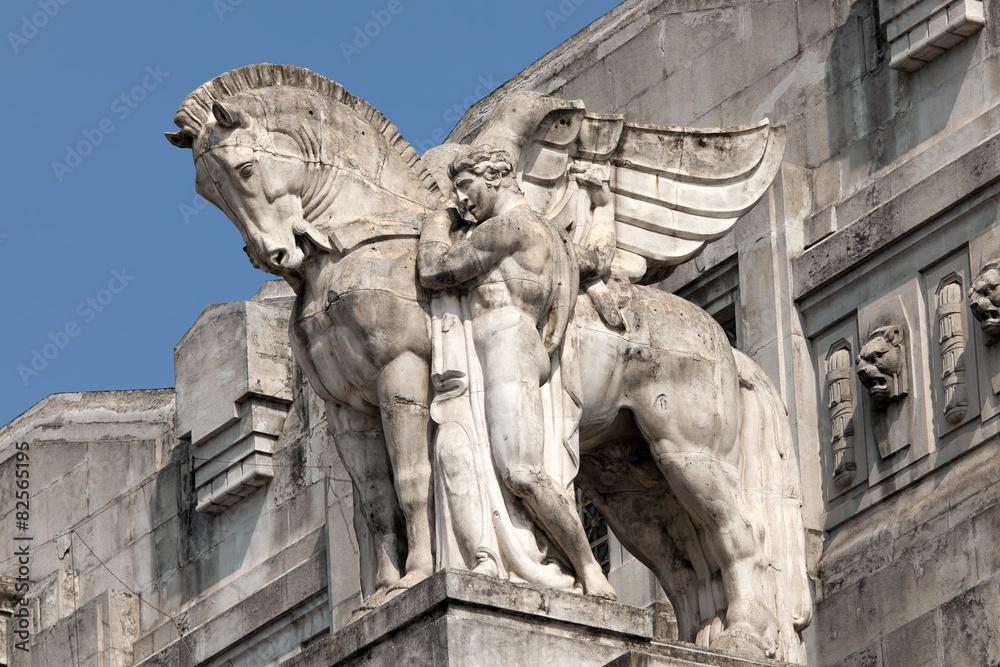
x: 410, y: 580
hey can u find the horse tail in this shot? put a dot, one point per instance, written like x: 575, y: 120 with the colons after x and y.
x: 769, y: 475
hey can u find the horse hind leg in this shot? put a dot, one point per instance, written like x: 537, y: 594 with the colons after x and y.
x: 621, y: 479
x: 705, y: 479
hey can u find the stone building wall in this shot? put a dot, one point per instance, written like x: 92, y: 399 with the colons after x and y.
x: 213, y: 510
x: 884, y: 212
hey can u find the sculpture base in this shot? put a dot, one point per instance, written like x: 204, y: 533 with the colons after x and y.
x: 461, y: 619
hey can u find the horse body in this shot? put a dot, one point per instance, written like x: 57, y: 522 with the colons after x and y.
x: 294, y: 170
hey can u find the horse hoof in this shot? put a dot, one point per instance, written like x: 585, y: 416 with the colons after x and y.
x: 744, y: 643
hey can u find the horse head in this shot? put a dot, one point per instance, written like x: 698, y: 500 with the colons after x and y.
x: 290, y: 156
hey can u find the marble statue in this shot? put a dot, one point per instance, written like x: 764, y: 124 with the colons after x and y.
x: 478, y: 324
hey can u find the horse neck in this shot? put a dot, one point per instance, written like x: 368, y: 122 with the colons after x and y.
x: 367, y: 177
x: 335, y: 196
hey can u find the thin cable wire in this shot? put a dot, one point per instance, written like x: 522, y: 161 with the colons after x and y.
x: 177, y: 626
x: 76, y: 603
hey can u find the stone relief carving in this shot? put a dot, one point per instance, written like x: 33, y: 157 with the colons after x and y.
x: 839, y: 381
x: 984, y: 300
x: 478, y: 312
x: 883, y: 368
x: 951, y: 339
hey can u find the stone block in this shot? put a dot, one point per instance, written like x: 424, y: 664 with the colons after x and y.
x: 970, y: 628
x: 846, y: 60
x: 594, y: 87
x: 726, y: 67
x: 637, y: 64
x: 212, y: 378
x: 63, y: 503
x: 869, y: 656
x: 818, y: 227
x: 689, y: 35
x: 52, y: 460
x: 915, y: 644
x: 458, y: 618
x: 815, y: 20
x: 770, y: 37
x: 634, y: 584
x: 670, y: 98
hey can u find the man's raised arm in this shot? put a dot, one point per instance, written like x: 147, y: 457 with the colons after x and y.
x: 441, y: 265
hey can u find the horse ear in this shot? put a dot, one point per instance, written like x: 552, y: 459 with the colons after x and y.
x: 180, y: 139
x: 223, y: 116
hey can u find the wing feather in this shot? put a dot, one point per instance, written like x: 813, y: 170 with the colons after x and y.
x: 673, y: 189
x: 676, y: 189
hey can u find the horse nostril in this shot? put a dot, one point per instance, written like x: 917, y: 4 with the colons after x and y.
x: 278, y: 257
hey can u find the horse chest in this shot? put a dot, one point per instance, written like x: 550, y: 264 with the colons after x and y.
x: 336, y: 360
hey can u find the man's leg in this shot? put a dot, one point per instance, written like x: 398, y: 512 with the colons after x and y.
x: 514, y: 362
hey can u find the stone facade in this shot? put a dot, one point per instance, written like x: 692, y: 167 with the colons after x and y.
x: 212, y: 523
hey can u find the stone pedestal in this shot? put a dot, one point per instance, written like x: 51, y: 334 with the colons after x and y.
x: 460, y: 619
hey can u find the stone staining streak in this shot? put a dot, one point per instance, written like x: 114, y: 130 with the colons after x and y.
x: 841, y: 403
x: 951, y: 338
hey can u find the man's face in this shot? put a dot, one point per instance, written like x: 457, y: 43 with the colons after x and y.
x: 475, y: 195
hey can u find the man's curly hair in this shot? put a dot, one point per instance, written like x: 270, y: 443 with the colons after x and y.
x: 494, y: 165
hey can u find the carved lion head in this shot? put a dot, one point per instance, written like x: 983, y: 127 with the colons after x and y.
x: 882, y: 365
x: 984, y: 298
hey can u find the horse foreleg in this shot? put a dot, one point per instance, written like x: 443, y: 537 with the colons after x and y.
x: 362, y: 450
x: 403, y: 395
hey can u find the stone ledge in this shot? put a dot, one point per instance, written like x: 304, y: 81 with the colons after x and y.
x: 901, y: 214
x: 459, y: 618
x: 921, y: 31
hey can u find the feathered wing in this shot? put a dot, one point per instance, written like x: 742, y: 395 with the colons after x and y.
x: 669, y: 190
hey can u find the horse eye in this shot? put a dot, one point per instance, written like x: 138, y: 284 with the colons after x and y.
x: 246, y: 170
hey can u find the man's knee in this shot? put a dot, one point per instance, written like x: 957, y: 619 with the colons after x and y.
x: 524, y: 481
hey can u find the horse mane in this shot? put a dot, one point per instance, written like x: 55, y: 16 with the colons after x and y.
x: 196, y: 109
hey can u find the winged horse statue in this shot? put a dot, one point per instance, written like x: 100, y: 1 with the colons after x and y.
x: 681, y: 441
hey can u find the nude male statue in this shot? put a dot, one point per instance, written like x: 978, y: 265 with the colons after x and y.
x: 505, y: 263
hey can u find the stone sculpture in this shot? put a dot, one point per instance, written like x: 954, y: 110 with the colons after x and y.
x: 431, y: 359
x: 984, y: 299
x: 951, y: 339
x: 841, y: 404
x: 882, y: 366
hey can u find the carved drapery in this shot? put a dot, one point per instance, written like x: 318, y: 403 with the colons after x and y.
x: 951, y: 339
x: 839, y: 382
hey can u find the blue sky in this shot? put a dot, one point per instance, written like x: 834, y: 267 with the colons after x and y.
x: 106, y: 254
